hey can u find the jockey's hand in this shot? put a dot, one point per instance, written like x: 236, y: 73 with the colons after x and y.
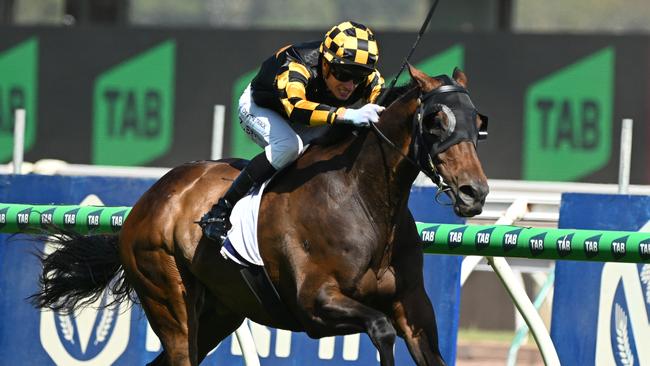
x: 363, y: 116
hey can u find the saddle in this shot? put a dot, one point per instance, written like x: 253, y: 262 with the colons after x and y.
x: 242, y: 248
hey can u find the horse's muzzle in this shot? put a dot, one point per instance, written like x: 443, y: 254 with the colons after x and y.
x: 470, y: 199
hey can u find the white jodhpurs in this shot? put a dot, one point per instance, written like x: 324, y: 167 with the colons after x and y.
x: 282, y: 141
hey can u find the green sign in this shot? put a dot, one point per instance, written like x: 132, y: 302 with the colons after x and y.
x: 568, y: 120
x: 243, y: 147
x: 18, y: 90
x: 133, y: 109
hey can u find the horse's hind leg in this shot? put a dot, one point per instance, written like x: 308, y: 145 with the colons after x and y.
x: 346, y: 315
x: 188, y: 333
x: 170, y: 301
x: 214, y: 325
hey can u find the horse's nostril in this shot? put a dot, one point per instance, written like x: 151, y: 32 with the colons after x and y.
x: 473, y: 192
x: 468, y: 191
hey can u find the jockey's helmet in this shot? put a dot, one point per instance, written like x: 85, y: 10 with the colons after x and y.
x: 350, y: 43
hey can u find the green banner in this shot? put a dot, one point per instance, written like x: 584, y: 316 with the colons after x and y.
x: 133, y: 109
x: 514, y: 241
x: 18, y: 90
x: 453, y: 239
x: 243, y: 147
x: 81, y: 219
x: 568, y: 120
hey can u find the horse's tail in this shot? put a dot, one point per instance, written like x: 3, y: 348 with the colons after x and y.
x: 76, y: 273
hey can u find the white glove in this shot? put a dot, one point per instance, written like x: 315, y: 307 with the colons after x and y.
x: 362, y: 116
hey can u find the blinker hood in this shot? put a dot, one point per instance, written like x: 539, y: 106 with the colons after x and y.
x: 454, y: 99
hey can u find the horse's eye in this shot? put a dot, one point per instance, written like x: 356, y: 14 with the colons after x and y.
x: 434, y: 124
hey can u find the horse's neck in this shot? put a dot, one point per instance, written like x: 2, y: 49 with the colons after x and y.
x: 385, y: 174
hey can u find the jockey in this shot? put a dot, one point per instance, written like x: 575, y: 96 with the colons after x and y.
x: 298, y: 92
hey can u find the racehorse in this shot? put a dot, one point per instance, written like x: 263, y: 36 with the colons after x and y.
x: 337, y: 239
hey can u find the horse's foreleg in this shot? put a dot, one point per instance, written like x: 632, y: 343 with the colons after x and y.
x: 215, y: 323
x: 416, y: 323
x: 334, y: 310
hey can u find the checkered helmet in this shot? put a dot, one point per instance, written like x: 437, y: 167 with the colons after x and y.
x: 350, y: 43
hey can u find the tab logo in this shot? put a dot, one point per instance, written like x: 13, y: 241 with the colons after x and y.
x: 563, y: 245
x: 133, y: 109
x: 46, y: 218
x: 70, y: 218
x: 18, y: 90
x: 482, y: 239
x: 22, y: 218
x: 92, y: 221
x: 3, y: 217
x: 591, y: 246
x: 455, y: 237
x: 117, y: 219
x: 618, y: 247
x: 568, y: 120
x: 644, y: 252
x: 536, y: 244
x: 510, y: 239
x: 429, y: 234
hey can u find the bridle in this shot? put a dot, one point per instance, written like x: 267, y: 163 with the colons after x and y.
x: 425, y: 106
x: 424, y: 160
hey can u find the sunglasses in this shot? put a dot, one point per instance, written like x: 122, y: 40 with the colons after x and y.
x: 346, y: 73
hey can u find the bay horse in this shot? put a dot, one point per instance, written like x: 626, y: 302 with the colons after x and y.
x: 337, y: 239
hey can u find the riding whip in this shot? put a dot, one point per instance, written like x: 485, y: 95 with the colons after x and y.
x: 415, y: 44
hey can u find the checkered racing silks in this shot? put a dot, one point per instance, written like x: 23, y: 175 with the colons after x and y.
x: 291, y: 85
x: 291, y: 81
x: 350, y: 43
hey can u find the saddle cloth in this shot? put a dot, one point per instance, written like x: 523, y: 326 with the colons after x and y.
x: 242, y: 237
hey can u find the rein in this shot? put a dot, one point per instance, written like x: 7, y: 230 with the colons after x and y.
x: 416, y: 135
x: 434, y: 175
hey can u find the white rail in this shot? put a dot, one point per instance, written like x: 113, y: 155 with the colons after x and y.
x: 513, y: 286
x: 247, y: 345
x: 527, y: 310
x: 218, y: 123
x: 541, y: 196
x: 60, y: 167
x: 625, y: 158
x: 19, y: 140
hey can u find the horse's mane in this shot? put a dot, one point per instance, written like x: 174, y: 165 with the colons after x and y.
x: 395, y: 93
x: 339, y: 132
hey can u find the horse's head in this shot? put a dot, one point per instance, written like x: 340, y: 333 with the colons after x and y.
x: 446, y: 130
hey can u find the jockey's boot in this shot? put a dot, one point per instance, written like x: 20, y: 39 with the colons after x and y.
x: 216, y: 222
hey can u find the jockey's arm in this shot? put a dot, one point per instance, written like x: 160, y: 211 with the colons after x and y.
x: 376, y: 82
x: 292, y: 83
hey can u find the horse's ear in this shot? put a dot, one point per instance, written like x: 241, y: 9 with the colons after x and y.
x: 460, y: 77
x: 421, y: 78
